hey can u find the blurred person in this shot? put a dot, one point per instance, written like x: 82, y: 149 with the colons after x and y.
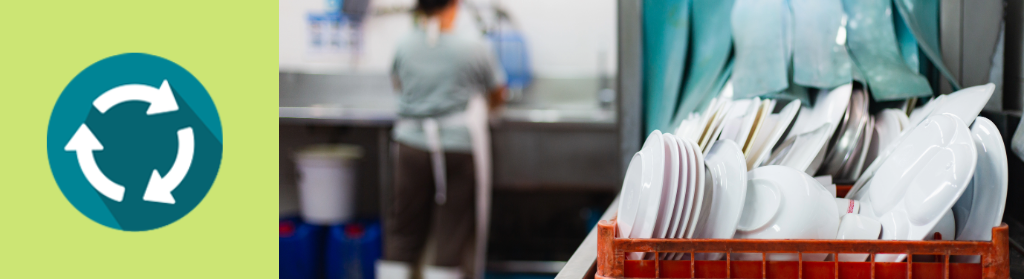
x: 443, y: 76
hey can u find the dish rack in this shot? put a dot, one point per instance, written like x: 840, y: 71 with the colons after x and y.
x: 612, y: 263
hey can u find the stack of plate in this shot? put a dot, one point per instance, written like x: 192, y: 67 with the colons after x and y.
x: 749, y: 123
x: 672, y: 190
x: 941, y: 170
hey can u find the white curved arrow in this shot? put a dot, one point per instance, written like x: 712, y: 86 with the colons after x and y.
x: 84, y: 143
x: 160, y: 100
x: 159, y: 189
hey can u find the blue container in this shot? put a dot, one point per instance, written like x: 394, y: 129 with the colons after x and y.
x: 301, y: 249
x: 510, y: 49
x: 353, y: 250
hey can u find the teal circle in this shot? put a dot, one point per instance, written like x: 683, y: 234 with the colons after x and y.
x: 134, y: 143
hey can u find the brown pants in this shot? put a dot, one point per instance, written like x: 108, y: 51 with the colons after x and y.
x: 413, y: 210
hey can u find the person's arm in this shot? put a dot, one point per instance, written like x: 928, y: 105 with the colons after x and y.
x: 494, y: 80
x: 496, y: 98
x: 395, y: 82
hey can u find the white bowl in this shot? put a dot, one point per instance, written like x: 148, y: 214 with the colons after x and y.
x: 857, y: 227
x: 786, y: 203
x: 847, y: 206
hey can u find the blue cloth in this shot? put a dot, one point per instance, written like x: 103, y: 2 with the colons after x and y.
x: 819, y: 52
x: 872, y: 43
x: 922, y: 18
x: 710, y: 44
x: 761, y: 47
x: 666, y: 26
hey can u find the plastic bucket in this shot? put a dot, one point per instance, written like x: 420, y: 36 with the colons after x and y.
x: 327, y: 183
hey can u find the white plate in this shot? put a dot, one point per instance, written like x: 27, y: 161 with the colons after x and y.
x: 920, y: 113
x: 829, y: 108
x: 748, y: 121
x: 729, y: 175
x: 685, y: 162
x: 708, y: 120
x: 860, y: 155
x: 740, y: 118
x: 989, y: 183
x: 779, y: 123
x: 698, y: 196
x: 693, y: 178
x: 920, y: 180
x: 847, y: 138
x: 786, y: 203
x: 887, y: 129
x: 762, y: 114
x: 630, y: 194
x: 668, y: 192
x: 965, y: 104
x: 650, y: 194
x: 800, y: 151
x: 716, y: 127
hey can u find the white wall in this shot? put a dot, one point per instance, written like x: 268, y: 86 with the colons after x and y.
x: 565, y: 37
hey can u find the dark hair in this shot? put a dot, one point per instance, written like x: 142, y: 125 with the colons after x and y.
x: 430, y: 7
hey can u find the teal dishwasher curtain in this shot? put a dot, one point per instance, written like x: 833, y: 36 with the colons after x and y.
x: 872, y: 42
x: 710, y: 45
x: 908, y: 44
x: 761, y: 47
x: 666, y: 26
x: 922, y: 17
x: 819, y: 51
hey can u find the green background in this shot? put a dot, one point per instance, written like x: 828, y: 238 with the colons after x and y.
x: 231, y: 47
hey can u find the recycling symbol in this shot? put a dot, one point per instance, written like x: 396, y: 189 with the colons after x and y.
x: 161, y: 100
x: 134, y: 142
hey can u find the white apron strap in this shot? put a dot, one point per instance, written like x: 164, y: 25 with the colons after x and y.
x: 433, y: 134
x: 480, y: 137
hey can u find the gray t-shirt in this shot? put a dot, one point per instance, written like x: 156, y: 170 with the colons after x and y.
x: 439, y: 80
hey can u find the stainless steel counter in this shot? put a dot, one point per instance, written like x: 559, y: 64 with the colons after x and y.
x: 369, y: 100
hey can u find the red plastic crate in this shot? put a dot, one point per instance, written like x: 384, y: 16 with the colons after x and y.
x: 611, y: 262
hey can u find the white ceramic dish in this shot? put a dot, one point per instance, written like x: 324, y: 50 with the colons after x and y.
x: 630, y: 194
x: 965, y: 103
x: 714, y: 120
x: 766, y: 109
x: 860, y: 156
x: 847, y: 206
x: 678, y: 196
x: 920, y: 180
x: 800, y: 151
x: 650, y: 194
x: 863, y: 182
x: 748, y: 121
x: 989, y: 186
x: 829, y: 108
x: 693, y: 177
x: 687, y: 198
x: 779, y: 123
x: 786, y: 203
x: 857, y: 227
x: 848, y: 137
x: 735, y: 120
x: 920, y: 113
x: 716, y: 127
x: 887, y: 129
x: 729, y: 175
x: 668, y: 194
